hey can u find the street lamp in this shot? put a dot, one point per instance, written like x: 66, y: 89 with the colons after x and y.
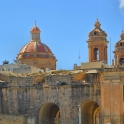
x: 26, y: 115
x: 80, y: 113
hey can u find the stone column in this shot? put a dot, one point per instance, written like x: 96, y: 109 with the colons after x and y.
x: 80, y: 113
x: 89, y: 53
x: 118, y: 57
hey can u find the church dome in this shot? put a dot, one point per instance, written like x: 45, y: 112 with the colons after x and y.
x: 35, y: 47
x: 36, y: 53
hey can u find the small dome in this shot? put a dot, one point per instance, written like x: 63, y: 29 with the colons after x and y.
x: 122, y: 35
x: 35, y: 29
x: 32, y: 47
x: 97, y: 32
x: 120, y: 43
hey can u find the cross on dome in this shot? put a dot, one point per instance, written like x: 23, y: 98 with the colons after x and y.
x: 97, y: 20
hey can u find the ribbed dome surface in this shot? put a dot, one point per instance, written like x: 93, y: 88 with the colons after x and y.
x: 35, y: 47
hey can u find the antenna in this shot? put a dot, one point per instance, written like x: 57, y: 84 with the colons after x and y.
x: 110, y: 51
x: 79, y: 56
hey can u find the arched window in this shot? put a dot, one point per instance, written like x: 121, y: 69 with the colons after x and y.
x: 96, y: 54
x: 36, y: 36
x: 95, y: 32
x: 120, y: 44
x: 33, y: 36
x: 121, y: 61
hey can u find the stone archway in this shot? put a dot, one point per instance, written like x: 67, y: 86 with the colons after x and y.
x: 90, y: 113
x: 49, y: 114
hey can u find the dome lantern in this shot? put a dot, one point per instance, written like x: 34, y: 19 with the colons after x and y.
x: 35, y: 34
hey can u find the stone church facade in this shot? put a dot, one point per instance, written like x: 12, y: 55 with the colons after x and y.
x: 93, y: 93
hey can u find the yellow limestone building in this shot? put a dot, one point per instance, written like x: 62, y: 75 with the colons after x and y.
x: 93, y: 93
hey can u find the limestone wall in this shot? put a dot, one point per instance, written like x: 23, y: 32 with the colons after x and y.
x: 12, y: 119
x: 112, y: 93
x: 69, y: 78
x: 25, y: 96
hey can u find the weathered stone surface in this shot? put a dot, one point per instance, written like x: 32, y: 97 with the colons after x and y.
x: 22, y: 98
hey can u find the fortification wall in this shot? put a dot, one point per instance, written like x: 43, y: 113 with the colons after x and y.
x: 26, y: 95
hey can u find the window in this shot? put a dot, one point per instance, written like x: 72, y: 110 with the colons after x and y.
x: 121, y: 61
x: 36, y: 36
x: 120, y: 44
x: 33, y: 36
x: 96, y: 54
x: 95, y: 32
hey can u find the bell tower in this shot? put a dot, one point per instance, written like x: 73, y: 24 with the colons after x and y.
x: 119, y: 51
x: 97, y: 44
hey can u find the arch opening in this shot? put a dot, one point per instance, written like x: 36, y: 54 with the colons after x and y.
x: 121, y: 44
x: 95, y: 32
x: 121, y: 61
x: 90, y: 113
x: 96, y: 54
x: 49, y: 114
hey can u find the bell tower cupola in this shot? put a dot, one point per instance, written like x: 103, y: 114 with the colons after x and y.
x: 97, y: 24
x: 97, y: 44
x: 119, y: 50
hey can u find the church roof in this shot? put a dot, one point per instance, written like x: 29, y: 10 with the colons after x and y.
x: 35, y: 47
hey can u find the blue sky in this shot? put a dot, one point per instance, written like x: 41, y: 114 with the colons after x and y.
x: 64, y: 26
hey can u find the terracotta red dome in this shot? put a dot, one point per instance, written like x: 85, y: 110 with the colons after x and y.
x: 35, y: 53
x: 32, y: 47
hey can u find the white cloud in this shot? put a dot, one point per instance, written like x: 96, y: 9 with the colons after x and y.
x: 121, y: 6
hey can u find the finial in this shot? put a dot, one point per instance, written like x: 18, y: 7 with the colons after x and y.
x: 122, y: 30
x: 97, y: 19
x: 97, y: 24
x: 35, y: 23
